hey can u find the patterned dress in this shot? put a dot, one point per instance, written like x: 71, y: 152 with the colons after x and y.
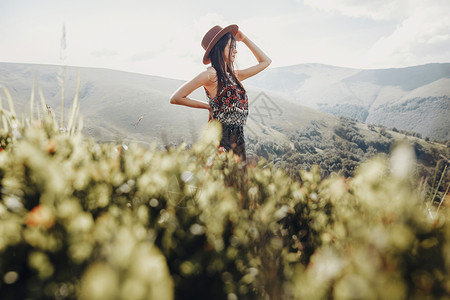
x: 230, y: 107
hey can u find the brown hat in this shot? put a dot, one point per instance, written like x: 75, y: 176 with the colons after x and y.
x: 213, y: 36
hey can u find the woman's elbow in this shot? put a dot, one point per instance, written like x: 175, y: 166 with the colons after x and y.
x: 173, y: 100
x: 266, y: 63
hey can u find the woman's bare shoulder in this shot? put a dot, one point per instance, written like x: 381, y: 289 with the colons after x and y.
x: 211, y: 70
x: 212, y: 74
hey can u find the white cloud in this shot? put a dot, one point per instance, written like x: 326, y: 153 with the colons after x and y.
x: 375, y: 9
x: 141, y: 36
x: 423, y: 36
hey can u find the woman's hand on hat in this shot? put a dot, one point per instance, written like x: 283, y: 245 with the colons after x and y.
x: 240, y: 37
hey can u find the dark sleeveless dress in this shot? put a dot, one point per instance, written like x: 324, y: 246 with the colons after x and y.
x: 230, y: 107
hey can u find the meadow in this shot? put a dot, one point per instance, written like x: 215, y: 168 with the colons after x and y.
x: 86, y: 220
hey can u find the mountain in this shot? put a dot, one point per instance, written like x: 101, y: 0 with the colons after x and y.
x: 112, y: 102
x: 127, y: 107
x: 414, y: 98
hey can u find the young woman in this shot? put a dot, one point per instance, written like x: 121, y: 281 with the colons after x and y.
x: 227, y: 98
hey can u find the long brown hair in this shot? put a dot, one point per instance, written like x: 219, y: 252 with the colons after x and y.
x: 218, y: 62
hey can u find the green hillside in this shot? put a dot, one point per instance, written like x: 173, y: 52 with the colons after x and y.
x: 111, y: 103
x: 291, y: 136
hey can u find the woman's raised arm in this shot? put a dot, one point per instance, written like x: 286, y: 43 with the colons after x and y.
x: 263, y: 60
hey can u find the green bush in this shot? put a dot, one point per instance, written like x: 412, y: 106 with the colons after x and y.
x: 82, y: 220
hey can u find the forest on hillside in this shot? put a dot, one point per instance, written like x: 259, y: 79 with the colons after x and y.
x: 347, y: 148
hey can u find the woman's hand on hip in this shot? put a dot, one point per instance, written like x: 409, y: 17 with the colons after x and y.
x: 210, y: 115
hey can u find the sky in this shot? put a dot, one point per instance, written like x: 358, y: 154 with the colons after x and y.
x: 164, y: 37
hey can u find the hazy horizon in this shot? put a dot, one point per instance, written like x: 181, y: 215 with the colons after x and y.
x: 158, y: 75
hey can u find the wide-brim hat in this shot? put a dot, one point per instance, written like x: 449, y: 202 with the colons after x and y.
x: 213, y: 36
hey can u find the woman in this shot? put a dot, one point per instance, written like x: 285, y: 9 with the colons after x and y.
x: 227, y: 98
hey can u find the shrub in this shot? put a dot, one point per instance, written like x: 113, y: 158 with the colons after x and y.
x: 85, y: 220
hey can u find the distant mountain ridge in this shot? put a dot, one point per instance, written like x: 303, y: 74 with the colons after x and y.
x: 414, y: 98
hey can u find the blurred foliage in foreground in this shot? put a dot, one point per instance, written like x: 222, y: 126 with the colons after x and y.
x: 81, y: 220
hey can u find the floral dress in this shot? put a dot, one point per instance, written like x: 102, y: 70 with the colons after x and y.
x: 230, y: 107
